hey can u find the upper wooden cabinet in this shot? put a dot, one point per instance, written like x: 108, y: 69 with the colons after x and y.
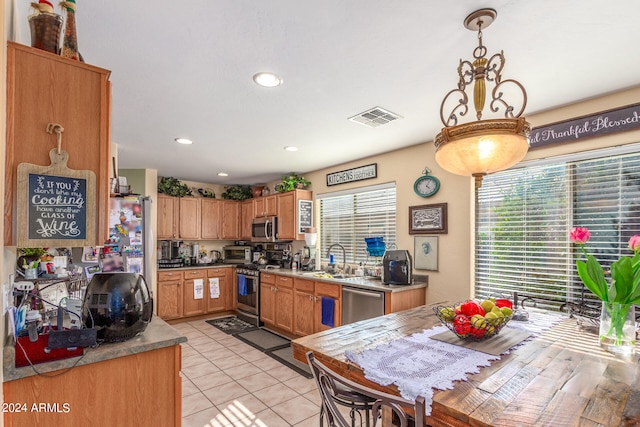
x: 190, y: 217
x: 288, y: 228
x: 44, y: 88
x: 168, y: 214
x: 211, y: 223
x: 266, y: 206
x: 246, y: 216
x: 230, y: 218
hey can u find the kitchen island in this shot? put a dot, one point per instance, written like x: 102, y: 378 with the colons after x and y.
x: 136, y: 382
x: 560, y: 378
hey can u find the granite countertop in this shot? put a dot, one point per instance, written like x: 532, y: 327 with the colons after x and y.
x: 367, y: 283
x: 158, y: 334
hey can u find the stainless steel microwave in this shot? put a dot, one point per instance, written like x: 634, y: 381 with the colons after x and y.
x: 264, y: 229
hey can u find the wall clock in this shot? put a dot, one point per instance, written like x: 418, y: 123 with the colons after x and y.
x: 427, y: 185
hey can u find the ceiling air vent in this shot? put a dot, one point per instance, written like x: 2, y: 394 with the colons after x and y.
x: 375, y: 117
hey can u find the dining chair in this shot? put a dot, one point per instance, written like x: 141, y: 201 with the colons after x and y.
x: 333, y: 386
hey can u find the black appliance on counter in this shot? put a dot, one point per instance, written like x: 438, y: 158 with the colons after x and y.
x: 397, y: 268
x: 118, y: 304
x: 169, y: 256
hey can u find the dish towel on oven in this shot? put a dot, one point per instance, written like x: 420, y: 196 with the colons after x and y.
x: 328, y: 308
x: 242, y: 284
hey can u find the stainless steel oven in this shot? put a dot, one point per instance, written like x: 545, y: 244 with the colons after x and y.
x: 248, y: 292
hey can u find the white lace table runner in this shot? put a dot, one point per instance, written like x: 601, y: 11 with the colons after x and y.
x: 418, y: 364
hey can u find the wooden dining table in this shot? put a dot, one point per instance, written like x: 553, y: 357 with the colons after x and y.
x: 559, y: 378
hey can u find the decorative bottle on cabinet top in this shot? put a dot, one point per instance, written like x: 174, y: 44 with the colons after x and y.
x: 70, y: 40
x: 45, y: 27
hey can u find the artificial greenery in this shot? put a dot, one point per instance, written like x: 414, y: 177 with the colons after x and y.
x: 237, y: 192
x: 173, y: 187
x: 291, y: 182
x: 38, y: 252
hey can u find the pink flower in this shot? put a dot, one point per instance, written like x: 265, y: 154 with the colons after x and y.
x: 581, y: 235
x: 634, y: 243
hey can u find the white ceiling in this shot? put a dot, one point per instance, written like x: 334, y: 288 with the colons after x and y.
x: 184, y: 69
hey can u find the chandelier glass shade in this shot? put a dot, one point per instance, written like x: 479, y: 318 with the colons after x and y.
x: 485, y: 146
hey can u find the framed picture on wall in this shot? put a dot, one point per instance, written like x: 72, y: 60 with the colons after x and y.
x: 428, y: 219
x: 425, y: 252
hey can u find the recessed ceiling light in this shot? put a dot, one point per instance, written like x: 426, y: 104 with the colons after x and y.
x: 184, y: 141
x: 223, y: 174
x: 267, y: 79
x: 291, y: 148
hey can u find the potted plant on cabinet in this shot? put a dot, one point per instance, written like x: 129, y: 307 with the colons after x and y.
x: 173, y: 187
x: 291, y: 182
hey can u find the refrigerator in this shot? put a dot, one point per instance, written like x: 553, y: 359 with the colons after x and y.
x: 130, y: 241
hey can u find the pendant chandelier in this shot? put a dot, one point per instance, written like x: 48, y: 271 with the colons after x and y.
x: 485, y: 146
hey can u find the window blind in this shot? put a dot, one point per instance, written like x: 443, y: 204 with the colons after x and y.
x: 347, y: 218
x: 523, y: 219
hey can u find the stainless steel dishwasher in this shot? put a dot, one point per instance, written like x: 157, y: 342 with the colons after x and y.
x: 359, y: 304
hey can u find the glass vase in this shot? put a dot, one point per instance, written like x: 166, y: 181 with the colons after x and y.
x: 45, y: 31
x: 618, y: 328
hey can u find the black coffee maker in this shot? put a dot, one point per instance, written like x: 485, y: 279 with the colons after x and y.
x: 397, y: 268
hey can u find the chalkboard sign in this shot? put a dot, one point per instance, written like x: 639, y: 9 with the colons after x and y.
x: 603, y: 123
x: 57, y: 207
x: 305, y: 215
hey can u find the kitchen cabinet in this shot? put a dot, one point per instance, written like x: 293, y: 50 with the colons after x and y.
x: 268, y: 298
x: 169, y: 298
x: 288, y: 214
x: 246, y: 216
x: 307, y: 305
x: 303, y: 307
x: 225, y: 301
x: 192, y: 306
x: 327, y: 290
x: 276, y: 301
x: 266, y: 206
x: 190, y: 218
x: 230, y: 212
x: 211, y: 219
x: 140, y: 389
x: 45, y: 88
x: 168, y: 213
x: 284, y: 303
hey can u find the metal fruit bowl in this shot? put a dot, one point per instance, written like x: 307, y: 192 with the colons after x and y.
x: 470, y: 328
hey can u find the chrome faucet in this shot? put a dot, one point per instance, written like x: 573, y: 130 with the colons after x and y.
x: 344, y: 256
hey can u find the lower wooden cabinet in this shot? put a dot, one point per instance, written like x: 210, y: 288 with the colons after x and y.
x: 224, y: 300
x: 327, y: 290
x: 303, y: 307
x: 307, y: 305
x: 193, y: 306
x: 276, y: 301
x: 176, y: 292
x: 284, y: 303
x: 169, y: 298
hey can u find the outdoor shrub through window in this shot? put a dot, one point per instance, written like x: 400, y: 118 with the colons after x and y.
x: 523, y: 219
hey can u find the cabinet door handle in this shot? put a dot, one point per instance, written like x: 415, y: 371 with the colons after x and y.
x: 310, y: 297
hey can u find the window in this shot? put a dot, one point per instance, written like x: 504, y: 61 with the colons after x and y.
x: 523, y: 219
x: 348, y: 217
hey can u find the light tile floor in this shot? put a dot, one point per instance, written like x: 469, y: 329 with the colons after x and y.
x: 226, y: 382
